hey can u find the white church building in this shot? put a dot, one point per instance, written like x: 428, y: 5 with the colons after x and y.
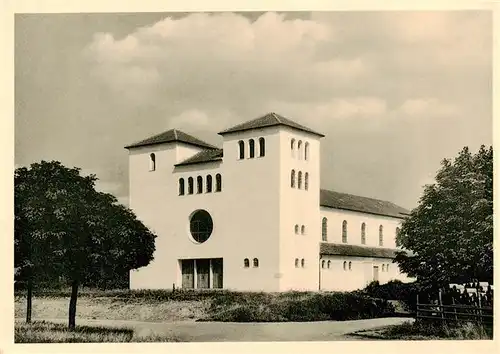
x: 252, y: 216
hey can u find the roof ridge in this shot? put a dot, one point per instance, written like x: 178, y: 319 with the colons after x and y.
x: 277, y: 117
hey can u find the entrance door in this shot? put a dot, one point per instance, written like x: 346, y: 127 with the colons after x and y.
x: 203, y: 273
x: 375, y: 273
x: 187, y: 273
x: 217, y: 273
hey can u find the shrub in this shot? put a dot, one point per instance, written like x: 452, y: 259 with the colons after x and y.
x: 394, y: 290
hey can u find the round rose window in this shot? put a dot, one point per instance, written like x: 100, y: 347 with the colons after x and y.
x: 201, y: 225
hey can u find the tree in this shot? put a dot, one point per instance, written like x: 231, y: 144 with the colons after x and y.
x: 450, y: 233
x: 87, y: 232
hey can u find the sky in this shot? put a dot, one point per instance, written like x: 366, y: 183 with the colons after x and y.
x: 394, y: 92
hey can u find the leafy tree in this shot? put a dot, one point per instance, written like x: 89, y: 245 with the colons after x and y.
x: 450, y: 233
x: 86, y: 233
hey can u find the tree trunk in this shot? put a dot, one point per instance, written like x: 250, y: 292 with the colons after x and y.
x: 29, y: 300
x: 72, y: 305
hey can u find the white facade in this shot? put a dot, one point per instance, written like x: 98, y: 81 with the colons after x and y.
x: 257, y: 215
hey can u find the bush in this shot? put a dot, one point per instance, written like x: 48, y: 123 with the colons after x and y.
x: 394, y: 290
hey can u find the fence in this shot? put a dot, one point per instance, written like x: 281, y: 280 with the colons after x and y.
x: 452, y: 306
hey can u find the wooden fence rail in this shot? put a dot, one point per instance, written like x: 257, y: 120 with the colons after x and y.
x: 456, y: 312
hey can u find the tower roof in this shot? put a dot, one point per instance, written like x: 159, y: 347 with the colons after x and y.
x: 172, y: 135
x: 269, y: 120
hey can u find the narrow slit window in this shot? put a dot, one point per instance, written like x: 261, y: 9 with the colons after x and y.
x: 246, y: 263
x: 324, y: 230
x: 296, y: 229
x: 199, y: 185
x: 209, y: 184
x: 363, y: 233
x: 241, y: 146
x: 292, y: 147
x: 190, y: 185
x: 152, y: 162
x: 300, y: 180
x: 292, y: 179
x: 306, y: 181
x: 381, y: 235
x: 262, y: 147
x: 299, y: 149
x: 329, y: 264
x: 181, y: 186
x: 303, y: 230
x: 302, y: 263
x: 306, y: 151
x: 251, y: 145
x: 344, y: 231
x: 255, y: 263
x: 218, y: 182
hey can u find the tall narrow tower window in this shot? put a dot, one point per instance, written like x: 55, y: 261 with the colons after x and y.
x: 209, y: 184
x: 300, y: 180
x: 363, y: 234
x: 181, y: 186
x: 241, y: 146
x: 306, y: 181
x: 262, y: 147
x: 292, y: 179
x: 218, y: 182
x: 292, y: 147
x: 306, y: 151
x: 324, y: 230
x: 299, y: 150
x: 251, y: 144
x: 199, y: 185
x: 381, y: 235
x: 344, y: 231
x: 190, y: 185
x: 152, y: 162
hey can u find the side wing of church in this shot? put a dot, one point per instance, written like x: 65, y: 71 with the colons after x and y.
x: 252, y: 216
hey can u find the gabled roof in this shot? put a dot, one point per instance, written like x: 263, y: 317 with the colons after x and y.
x: 351, y: 202
x: 203, y: 156
x: 335, y: 249
x: 173, y: 135
x: 269, y: 120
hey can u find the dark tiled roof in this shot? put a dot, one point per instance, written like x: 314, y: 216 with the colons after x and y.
x: 172, y: 136
x: 203, y: 156
x: 346, y: 201
x: 269, y: 120
x: 335, y: 249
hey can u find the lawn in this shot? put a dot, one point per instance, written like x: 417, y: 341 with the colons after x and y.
x: 420, y: 330
x: 223, y: 306
x: 46, y: 332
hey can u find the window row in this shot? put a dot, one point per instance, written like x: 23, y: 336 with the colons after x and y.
x: 324, y: 233
x: 327, y: 264
x: 385, y: 267
x: 301, y: 230
x: 299, y: 180
x: 251, y: 148
x: 300, y: 263
x: 246, y: 263
x: 299, y: 149
x: 199, y: 184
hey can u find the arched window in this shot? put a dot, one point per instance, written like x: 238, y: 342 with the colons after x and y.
x: 300, y: 180
x: 181, y: 186
x: 302, y: 263
x: 262, y: 147
x: 306, y: 181
x: 329, y: 263
x: 218, y: 182
x: 292, y: 147
x: 296, y: 229
x: 241, y: 146
x: 251, y: 144
x: 246, y: 263
x: 190, y: 185
x: 363, y: 233
x: 345, y: 265
x: 296, y: 262
x: 303, y: 230
x: 387, y: 268
x: 381, y: 235
x: 323, y: 263
x: 383, y: 267
x: 299, y: 149
x: 209, y: 184
x: 344, y: 231
x: 255, y: 263
x: 324, y: 229
x: 199, y: 184
x: 292, y: 179
x: 350, y: 265
x: 152, y: 162
x: 398, y: 243
x: 306, y: 151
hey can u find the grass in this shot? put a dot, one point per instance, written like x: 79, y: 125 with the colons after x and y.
x: 47, y: 332
x: 224, y: 306
x: 420, y: 330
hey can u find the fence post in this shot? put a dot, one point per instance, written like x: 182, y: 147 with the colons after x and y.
x: 454, y: 307
x: 480, y: 310
x: 440, y: 303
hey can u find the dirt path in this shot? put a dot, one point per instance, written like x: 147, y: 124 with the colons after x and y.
x: 248, y: 332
